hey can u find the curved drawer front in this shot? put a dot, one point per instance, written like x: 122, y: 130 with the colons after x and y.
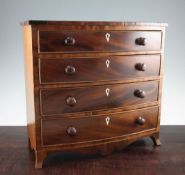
x: 67, y: 100
x: 92, y: 41
x: 97, y: 128
x: 98, y: 69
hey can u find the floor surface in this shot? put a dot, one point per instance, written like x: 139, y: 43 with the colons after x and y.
x: 140, y: 158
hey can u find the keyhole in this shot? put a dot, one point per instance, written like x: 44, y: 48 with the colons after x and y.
x: 107, y: 63
x: 107, y: 91
x: 107, y: 35
x: 107, y: 119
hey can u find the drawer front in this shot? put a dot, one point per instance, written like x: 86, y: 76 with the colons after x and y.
x: 67, y: 100
x: 92, y: 41
x: 97, y: 128
x: 98, y: 69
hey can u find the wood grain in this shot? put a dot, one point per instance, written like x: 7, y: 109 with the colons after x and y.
x: 48, y: 52
x: 53, y: 101
x: 86, y: 41
x: 139, y: 158
x: 107, y: 68
x: 107, y: 127
x: 28, y: 62
x: 104, y: 23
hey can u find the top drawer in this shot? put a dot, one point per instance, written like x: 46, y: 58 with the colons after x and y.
x: 101, y: 41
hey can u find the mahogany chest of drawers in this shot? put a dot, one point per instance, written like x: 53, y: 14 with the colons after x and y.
x: 92, y: 87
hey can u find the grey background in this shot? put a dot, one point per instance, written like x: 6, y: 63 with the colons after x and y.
x: 12, y: 12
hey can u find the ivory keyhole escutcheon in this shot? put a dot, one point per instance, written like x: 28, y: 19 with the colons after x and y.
x: 107, y: 36
x: 107, y: 63
x: 107, y: 120
x: 107, y: 91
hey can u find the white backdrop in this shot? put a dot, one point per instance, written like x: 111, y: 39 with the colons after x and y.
x: 12, y: 89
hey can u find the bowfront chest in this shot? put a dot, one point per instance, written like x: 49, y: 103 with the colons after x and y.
x: 92, y: 87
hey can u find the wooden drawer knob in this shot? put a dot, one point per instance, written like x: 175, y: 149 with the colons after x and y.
x: 140, y: 66
x: 140, y: 120
x: 70, y: 70
x: 141, y: 41
x: 71, y: 131
x: 71, y: 101
x: 70, y: 41
x: 139, y: 93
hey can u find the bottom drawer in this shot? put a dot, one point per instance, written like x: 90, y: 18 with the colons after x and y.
x: 97, y: 128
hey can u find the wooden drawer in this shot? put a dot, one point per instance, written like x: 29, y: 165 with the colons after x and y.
x: 67, y: 100
x: 69, y: 70
x: 97, y: 128
x: 92, y: 41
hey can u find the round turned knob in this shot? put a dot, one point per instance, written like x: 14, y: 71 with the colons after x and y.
x: 71, y: 131
x: 140, y: 120
x: 140, y: 66
x: 141, y: 41
x: 71, y: 101
x: 139, y: 93
x: 70, y: 70
x: 70, y: 41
